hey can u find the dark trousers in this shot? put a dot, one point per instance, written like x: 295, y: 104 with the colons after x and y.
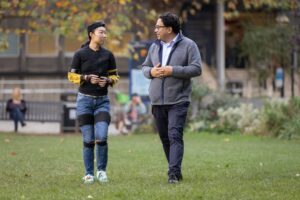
x: 17, y: 116
x: 170, y: 121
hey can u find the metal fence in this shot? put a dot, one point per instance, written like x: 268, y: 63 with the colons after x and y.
x: 37, y: 90
x: 37, y: 111
x: 49, y: 90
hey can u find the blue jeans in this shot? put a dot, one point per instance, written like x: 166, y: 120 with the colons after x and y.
x: 17, y: 116
x: 93, y: 116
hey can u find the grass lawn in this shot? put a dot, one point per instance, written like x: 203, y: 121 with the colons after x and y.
x: 214, y: 167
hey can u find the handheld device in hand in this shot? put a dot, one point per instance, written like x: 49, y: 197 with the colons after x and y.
x: 103, y: 78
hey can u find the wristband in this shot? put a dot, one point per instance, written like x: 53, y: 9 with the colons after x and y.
x: 86, y: 78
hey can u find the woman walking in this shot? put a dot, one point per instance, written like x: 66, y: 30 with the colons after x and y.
x: 94, y: 69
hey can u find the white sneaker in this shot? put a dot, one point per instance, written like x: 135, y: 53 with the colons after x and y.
x: 102, y: 177
x: 88, y: 179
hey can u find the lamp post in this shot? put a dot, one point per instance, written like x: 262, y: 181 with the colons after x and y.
x: 220, y: 45
x: 282, y: 19
x: 296, y: 40
x: 294, y: 66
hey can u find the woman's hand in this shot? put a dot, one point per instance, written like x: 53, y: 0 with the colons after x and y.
x: 103, y: 81
x: 94, y: 79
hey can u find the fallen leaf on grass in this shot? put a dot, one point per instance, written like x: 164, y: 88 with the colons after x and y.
x: 90, y: 197
x: 297, y: 175
x: 226, y: 140
x: 13, y: 153
x: 7, y: 140
x: 69, y: 169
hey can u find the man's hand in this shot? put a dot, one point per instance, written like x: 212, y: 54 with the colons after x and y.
x: 166, y: 71
x: 155, y: 71
x: 160, y: 72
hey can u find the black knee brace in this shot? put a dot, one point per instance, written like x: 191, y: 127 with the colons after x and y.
x: 102, y: 117
x: 89, y: 144
x: 85, y: 119
x: 101, y: 143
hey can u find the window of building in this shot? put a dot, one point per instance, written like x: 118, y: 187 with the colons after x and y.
x: 41, y: 44
x: 9, y: 45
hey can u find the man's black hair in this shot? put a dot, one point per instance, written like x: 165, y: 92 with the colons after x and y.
x: 171, y: 20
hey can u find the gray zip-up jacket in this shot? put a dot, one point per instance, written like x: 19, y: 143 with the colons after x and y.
x: 186, y: 62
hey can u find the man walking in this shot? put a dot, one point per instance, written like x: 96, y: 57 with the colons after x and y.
x: 170, y: 64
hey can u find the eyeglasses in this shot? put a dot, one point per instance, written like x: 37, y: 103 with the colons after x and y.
x: 158, y: 27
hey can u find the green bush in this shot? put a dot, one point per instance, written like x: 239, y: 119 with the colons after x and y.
x: 291, y: 128
x: 281, y: 119
x: 243, y: 119
x: 205, y: 104
x: 216, y: 112
x: 277, y: 118
x: 273, y: 118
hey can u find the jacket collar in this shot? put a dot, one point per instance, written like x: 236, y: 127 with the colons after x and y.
x: 179, y: 38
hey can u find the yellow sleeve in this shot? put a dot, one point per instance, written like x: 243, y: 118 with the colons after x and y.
x: 74, y: 78
x: 113, y: 75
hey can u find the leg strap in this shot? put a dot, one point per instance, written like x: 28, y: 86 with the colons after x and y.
x: 101, y: 143
x: 85, y: 119
x: 89, y: 144
x: 102, y: 117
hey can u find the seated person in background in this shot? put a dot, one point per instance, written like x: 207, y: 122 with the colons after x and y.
x: 16, y: 107
x: 134, y: 112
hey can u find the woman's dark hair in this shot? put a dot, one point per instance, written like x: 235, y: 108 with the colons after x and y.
x: 91, y: 28
x: 87, y: 43
x: 171, y: 20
